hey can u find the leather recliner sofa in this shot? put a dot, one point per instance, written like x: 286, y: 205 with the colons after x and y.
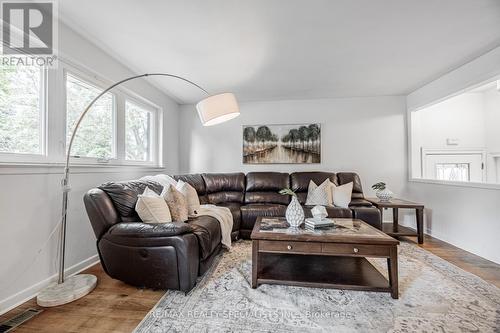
x: 173, y: 255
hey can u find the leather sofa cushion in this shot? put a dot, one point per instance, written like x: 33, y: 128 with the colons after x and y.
x: 234, y: 207
x: 224, y: 187
x: 338, y: 212
x: 196, y: 181
x: 101, y: 211
x: 249, y: 213
x: 226, y: 196
x: 299, y: 182
x: 124, y: 196
x: 266, y: 197
x: 266, y: 181
x: 263, y: 187
x: 347, y: 177
x: 207, y: 230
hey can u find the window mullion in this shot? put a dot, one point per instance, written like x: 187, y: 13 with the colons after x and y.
x: 120, y: 127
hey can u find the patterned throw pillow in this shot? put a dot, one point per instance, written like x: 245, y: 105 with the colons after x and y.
x: 176, y: 202
x: 319, y: 195
x: 191, y: 196
x: 152, y: 208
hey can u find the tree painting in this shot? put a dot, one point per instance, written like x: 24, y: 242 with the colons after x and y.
x: 282, y: 144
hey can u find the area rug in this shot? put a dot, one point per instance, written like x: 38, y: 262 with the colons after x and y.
x: 435, y: 296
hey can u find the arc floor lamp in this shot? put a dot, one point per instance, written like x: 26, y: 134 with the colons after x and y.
x: 214, y: 109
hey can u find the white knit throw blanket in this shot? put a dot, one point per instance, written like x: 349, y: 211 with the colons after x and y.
x: 225, y: 218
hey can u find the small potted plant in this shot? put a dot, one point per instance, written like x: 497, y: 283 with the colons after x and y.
x: 382, y: 192
x: 294, y: 212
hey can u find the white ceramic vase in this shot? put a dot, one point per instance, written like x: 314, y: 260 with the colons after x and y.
x: 294, y: 213
x: 384, y: 195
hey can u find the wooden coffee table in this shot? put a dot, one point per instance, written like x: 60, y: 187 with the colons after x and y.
x: 327, y: 258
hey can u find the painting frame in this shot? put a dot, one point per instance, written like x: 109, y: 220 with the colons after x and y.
x: 282, y: 146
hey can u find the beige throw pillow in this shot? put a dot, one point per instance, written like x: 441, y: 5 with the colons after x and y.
x: 191, y: 196
x: 152, y: 208
x: 319, y: 195
x: 176, y: 202
x: 342, y: 194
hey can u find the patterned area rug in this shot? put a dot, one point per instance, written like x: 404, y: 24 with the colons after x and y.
x: 435, y: 296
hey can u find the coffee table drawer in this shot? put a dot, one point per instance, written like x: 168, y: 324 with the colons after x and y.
x: 284, y: 246
x: 355, y: 250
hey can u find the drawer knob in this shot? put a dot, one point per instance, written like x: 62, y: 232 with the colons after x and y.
x: 356, y: 250
x: 289, y: 247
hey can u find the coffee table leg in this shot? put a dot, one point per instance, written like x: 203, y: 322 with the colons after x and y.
x: 392, y: 265
x: 420, y: 225
x: 255, y: 260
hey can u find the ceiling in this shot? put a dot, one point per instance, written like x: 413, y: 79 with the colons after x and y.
x: 290, y: 49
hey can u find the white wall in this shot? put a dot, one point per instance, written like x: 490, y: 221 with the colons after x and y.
x: 461, y: 117
x: 463, y: 216
x: 31, y: 198
x: 366, y: 135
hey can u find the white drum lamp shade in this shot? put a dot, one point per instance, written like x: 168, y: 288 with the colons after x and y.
x: 218, y: 108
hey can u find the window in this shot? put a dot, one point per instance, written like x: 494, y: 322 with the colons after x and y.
x: 39, y: 108
x: 21, y: 110
x: 453, y: 171
x: 458, y: 138
x: 96, y: 134
x: 138, y: 132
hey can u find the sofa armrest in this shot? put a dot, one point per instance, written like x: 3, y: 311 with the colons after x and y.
x: 158, y: 256
x: 148, y: 230
x: 370, y: 215
x: 360, y: 203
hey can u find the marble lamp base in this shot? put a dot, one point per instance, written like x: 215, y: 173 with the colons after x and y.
x: 71, y: 289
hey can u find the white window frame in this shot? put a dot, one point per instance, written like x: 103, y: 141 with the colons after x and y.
x: 410, y: 111
x: 42, y: 157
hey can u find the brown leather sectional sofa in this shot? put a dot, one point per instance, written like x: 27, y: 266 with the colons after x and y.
x: 173, y: 255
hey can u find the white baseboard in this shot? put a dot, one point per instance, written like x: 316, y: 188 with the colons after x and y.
x: 19, y: 298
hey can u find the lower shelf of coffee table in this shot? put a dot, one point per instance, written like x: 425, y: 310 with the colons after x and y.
x: 320, y: 271
x: 398, y: 230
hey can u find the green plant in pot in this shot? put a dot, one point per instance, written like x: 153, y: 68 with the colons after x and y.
x: 382, y: 192
x: 294, y: 212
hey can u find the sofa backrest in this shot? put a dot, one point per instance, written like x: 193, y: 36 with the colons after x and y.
x: 263, y: 187
x: 299, y: 182
x: 195, y: 180
x: 124, y: 196
x: 347, y: 177
x: 224, y: 187
x: 115, y: 202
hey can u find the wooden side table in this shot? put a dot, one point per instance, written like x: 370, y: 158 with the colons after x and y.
x: 395, y: 229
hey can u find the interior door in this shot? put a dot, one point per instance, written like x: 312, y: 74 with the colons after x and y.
x: 466, y: 167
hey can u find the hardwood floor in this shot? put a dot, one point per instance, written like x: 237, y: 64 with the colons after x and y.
x: 116, y: 307
x: 112, y: 307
